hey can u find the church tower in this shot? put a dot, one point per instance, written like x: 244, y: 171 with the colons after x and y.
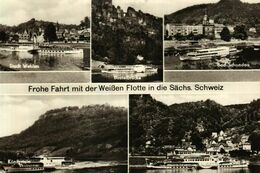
x: 205, y: 18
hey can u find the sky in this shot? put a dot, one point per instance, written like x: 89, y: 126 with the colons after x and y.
x: 223, y: 99
x: 14, y: 12
x: 20, y: 112
x: 161, y: 7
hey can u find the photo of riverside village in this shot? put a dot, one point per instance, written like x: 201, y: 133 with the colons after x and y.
x: 194, y: 133
x: 41, y: 38
x: 221, y: 35
x: 126, y: 43
x: 63, y: 134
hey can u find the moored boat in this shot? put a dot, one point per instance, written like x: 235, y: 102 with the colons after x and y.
x: 173, y: 165
x: 209, y: 53
x: 57, y: 50
x: 129, y: 69
x: 204, y: 161
x: 52, y: 163
x: 233, y: 164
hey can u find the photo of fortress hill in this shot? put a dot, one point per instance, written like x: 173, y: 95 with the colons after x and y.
x: 63, y: 134
x: 221, y: 34
x: 31, y: 29
x: 126, y: 41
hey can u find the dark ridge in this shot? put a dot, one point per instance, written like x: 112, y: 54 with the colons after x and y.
x: 87, y: 133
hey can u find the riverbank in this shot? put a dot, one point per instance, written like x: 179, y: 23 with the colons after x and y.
x: 218, y: 42
x: 45, y: 77
x: 73, y: 45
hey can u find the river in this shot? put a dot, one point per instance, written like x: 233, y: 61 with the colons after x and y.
x: 247, y: 56
x: 222, y: 170
x: 117, y: 169
x: 91, y: 168
x: 24, y: 61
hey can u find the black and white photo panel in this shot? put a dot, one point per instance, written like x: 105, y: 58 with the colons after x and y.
x: 194, y: 133
x: 64, y: 133
x: 45, y: 41
x: 212, y: 41
x: 127, y: 41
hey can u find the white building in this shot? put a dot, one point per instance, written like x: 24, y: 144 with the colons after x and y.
x: 246, y: 146
x: 184, y: 30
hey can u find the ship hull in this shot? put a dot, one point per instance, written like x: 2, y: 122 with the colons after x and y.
x: 60, y: 52
x: 11, y: 169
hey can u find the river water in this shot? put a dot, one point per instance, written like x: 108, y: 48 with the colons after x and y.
x: 222, y: 170
x: 247, y: 56
x: 111, y: 169
x: 24, y: 61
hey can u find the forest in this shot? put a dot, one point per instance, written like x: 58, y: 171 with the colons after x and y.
x: 95, y: 132
x: 118, y: 37
x: 151, y: 120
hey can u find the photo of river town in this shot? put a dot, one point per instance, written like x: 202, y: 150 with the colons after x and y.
x: 201, y: 37
x: 64, y: 134
x: 43, y: 42
x: 198, y: 133
x: 247, y: 56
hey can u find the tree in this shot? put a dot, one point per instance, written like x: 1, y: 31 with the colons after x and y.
x: 15, y: 38
x: 199, y: 37
x: 50, y: 33
x: 197, y: 140
x: 190, y: 36
x: 255, y: 141
x: 222, y: 151
x: 3, y: 36
x: 179, y: 37
x: 225, y: 34
x: 85, y: 23
x: 240, y: 32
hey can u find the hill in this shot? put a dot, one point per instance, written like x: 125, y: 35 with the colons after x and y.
x: 224, y: 12
x: 87, y: 133
x: 127, y: 34
x: 34, y: 25
x: 151, y: 120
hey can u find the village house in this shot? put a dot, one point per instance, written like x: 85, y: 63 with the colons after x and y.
x: 24, y: 37
x: 207, y: 28
x: 245, y: 146
x: 59, y: 34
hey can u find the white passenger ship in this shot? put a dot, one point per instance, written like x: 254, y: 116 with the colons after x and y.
x: 129, y: 68
x: 209, y: 53
x: 198, y: 161
x: 233, y: 164
x: 204, y: 161
x: 59, y: 50
x: 52, y: 163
